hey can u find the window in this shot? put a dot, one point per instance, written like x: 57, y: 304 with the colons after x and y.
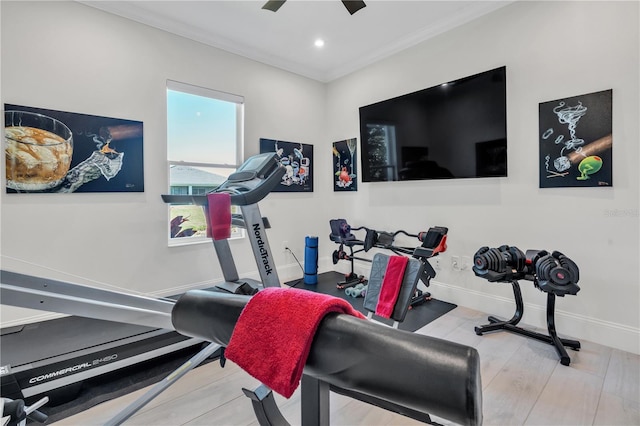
x: 204, y: 146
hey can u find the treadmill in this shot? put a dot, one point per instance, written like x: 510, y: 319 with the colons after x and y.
x: 58, y: 355
x: 253, y: 181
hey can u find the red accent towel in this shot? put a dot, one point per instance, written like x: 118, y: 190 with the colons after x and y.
x: 273, y: 336
x: 390, y: 287
x: 219, y: 216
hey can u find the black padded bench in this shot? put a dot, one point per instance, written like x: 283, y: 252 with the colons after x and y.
x: 407, y: 373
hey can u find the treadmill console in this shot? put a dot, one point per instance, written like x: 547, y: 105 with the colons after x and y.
x: 261, y: 166
x: 250, y: 183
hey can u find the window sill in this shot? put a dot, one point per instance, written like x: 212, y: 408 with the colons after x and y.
x: 189, y: 241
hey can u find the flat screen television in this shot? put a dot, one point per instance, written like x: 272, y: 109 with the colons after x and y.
x: 454, y: 130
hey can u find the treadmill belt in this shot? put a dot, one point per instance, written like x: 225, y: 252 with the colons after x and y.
x: 60, y: 336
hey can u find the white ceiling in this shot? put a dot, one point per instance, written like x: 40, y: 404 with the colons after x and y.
x: 285, y: 39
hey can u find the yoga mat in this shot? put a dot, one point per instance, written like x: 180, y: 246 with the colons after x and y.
x: 416, y: 318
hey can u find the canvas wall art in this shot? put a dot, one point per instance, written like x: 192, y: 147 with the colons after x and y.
x: 61, y: 152
x: 297, y: 158
x: 576, y: 141
x: 345, y: 170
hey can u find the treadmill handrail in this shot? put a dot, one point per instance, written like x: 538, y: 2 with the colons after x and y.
x: 26, y: 291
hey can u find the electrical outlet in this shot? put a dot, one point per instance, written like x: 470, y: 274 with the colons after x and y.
x: 435, y: 261
x: 455, y: 263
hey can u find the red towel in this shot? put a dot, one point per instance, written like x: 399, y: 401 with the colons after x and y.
x: 390, y: 287
x: 219, y: 216
x: 273, y: 336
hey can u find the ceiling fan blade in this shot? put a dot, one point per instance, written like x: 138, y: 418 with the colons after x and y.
x: 273, y: 5
x: 353, y: 6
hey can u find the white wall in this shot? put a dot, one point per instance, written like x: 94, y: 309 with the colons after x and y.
x: 76, y: 58
x: 551, y: 50
x: 91, y: 62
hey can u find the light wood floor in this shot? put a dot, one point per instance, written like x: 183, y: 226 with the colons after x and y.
x: 523, y: 384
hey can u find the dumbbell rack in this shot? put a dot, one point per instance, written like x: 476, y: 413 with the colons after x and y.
x: 511, y: 325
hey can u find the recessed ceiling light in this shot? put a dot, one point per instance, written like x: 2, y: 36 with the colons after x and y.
x: 319, y: 42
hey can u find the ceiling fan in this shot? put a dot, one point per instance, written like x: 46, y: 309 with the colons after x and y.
x: 352, y: 5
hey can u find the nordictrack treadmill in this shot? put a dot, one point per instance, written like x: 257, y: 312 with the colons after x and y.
x: 253, y: 181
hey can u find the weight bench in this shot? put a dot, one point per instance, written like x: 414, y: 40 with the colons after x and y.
x: 433, y: 242
x: 411, y: 374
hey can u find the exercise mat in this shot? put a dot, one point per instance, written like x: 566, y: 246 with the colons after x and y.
x: 416, y: 318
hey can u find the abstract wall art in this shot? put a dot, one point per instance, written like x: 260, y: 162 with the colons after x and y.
x: 576, y: 141
x: 49, y: 151
x: 297, y: 158
x: 345, y: 170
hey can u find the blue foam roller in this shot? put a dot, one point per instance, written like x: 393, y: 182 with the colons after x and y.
x: 311, y: 260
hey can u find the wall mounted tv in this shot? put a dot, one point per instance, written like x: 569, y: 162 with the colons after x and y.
x: 455, y: 130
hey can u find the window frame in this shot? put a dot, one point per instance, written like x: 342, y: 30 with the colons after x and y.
x: 172, y: 85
